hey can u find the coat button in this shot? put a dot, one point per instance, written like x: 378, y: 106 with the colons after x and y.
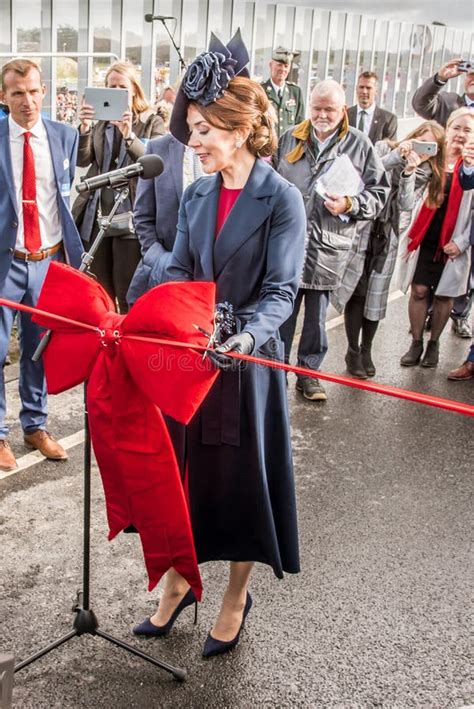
x: 11, y: 251
x: 14, y: 225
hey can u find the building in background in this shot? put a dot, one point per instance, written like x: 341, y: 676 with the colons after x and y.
x: 89, y: 34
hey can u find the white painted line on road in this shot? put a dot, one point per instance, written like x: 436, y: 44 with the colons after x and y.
x: 35, y: 457
x: 335, y: 322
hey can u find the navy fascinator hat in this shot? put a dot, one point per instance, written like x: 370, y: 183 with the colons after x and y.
x: 207, y: 78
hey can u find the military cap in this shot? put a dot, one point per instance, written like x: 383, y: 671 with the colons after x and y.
x: 280, y: 54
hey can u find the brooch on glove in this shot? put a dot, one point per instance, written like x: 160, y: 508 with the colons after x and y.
x: 224, y: 326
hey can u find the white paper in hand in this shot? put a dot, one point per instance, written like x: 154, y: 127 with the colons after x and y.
x: 340, y: 180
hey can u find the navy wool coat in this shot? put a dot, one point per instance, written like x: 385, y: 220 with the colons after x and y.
x: 239, y: 461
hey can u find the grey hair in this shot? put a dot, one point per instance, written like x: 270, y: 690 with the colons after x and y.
x: 329, y: 86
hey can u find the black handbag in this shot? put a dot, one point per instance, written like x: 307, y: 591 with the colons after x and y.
x: 121, y: 224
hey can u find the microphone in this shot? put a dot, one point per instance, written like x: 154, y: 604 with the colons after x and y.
x: 149, y: 17
x: 147, y: 166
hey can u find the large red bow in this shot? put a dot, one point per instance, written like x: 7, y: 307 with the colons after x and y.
x: 129, y: 381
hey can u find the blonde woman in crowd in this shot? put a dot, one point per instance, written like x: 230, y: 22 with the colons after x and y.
x: 109, y: 145
x: 434, y: 247
x: 365, y: 285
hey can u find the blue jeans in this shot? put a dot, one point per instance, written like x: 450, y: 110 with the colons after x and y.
x: 313, y: 343
x: 23, y: 285
x: 462, y: 306
x: 470, y: 356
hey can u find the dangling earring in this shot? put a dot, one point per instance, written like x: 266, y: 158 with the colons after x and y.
x: 238, y: 143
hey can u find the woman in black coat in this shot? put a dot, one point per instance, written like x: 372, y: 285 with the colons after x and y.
x: 243, y: 228
x: 109, y: 145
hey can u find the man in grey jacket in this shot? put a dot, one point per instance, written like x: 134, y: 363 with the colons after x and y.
x: 305, y: 153
x: 433, y: 104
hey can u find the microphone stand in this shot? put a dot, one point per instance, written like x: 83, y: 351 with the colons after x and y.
x: 88, y: 256
x: 182, y: 63
x: 85, y: 621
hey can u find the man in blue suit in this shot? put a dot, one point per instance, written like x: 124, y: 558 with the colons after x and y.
x: 156, y: 208
x: 36, y: 171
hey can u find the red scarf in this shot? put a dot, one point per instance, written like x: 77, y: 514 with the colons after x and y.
x: 425, y: 215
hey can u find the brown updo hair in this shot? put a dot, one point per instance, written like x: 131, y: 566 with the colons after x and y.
x: 244, y: 106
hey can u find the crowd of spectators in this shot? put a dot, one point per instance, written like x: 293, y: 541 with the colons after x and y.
x: 355, y: 240
x: 66, y: 106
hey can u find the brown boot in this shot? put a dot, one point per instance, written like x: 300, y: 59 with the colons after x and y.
x: 45, y: 443
x: 7, y: 459
x: 462, y: 373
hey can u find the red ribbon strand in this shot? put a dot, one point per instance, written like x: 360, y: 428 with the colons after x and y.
x: 373, y: 387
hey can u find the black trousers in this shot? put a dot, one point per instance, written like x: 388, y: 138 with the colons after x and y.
x: 114, y: 265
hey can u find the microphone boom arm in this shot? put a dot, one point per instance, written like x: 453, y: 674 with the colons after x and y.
x: 87, y: 257
x: 182, y: 63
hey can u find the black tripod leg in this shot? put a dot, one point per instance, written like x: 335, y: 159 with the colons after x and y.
x: 45, y: 650
x: 177, y: 673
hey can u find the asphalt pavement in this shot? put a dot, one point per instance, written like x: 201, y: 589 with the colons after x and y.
x: 378, y: 616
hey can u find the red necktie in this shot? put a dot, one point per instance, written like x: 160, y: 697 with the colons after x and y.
x: 31, y: 225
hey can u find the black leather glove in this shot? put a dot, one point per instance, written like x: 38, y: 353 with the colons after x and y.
x: 243, y: 343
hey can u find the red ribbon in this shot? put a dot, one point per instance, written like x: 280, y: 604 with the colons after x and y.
x: 133, y: 376
x: 130, y: 383
x: 406, y: 394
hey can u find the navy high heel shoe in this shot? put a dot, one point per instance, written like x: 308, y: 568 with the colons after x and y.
x: 150, y: 629
x: 212, y: 646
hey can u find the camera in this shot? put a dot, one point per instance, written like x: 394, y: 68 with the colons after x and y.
x: 467, y: 66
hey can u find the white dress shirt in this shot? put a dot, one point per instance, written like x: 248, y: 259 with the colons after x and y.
x: 192, y: 168
x: 367, y: 119
x: 277, y: 89
x: 46, y: 188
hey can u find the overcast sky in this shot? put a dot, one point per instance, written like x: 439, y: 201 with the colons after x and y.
x: 454, y: 13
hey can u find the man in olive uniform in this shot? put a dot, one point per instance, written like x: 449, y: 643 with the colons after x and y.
x: 285, y: 96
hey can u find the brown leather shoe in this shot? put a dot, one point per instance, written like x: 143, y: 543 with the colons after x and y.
x: 45, y: 443
x: 7, y: 459
x: 462, y: 373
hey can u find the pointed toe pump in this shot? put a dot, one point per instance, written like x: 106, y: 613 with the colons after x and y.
x: 212, y: 646
x: 150, y: 629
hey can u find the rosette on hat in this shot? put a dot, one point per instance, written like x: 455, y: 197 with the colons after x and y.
x: 207, y: 78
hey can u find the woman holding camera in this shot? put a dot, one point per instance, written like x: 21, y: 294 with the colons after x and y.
x: 106, y: 146
x: 434, y: 247
x: 364, y: 289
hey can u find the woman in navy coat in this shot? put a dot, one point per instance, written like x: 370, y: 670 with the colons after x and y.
x: 244, y: 228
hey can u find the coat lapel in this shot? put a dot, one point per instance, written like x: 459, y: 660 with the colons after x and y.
x: 352, y: 116
x: 247, y: 215
x: 201, y: 212
x: 6, y: 162
x: 57, y: 154
x: 374, y: 126
x: 270, y: 91
x: 176, y: 154
x: 99, y: 139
